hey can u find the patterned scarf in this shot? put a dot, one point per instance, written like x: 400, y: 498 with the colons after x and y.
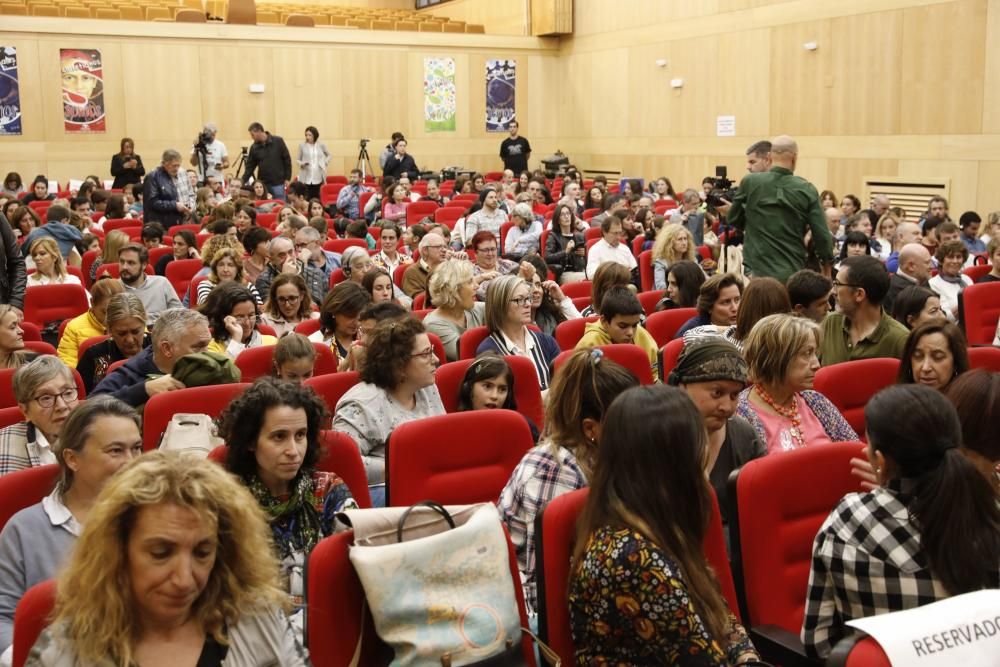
x: 295, y: 521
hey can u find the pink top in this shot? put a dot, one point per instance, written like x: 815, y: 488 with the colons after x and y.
x: 395, y: 212
x: 778, y: 429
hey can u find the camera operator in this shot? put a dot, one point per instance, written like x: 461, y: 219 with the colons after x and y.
x: 775, y: 209
x: 209, y: 155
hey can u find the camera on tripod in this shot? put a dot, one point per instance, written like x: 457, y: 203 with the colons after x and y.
x: 202, y: 142
x: 722, y: 191
x: 364, y: 142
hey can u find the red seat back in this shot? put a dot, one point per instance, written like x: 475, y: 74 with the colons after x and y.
x: 669, y: 354
x: 7, y: 399
x: 307, y: 327
x: 89, y: 258
x: 527, y: 394
x: 31, y: 617
x: 646, y: 270
x: 438, y: 348
x: 851, y: 384
x: 10, y: 416
x: 985, y: 357
x: 397, y: 275
x: 448, y: 215
x: 257, y: 362
x: 978, y: 271
x: 337, y: 616
x: 858, y: 651
x: 51, y: 303
x: 31, y: 331
x: 569, y: 333
x: 650, y: 299
x: 210, y: 400
x: 340, y: 245
x: 556, y: 529
x: 328, y: 193
x: 180, y: 272
x: 332, y: 386
x: 41, y: 347
x: 90, y: 342
x: 24, y: 488
x: 664, y: 325
x: 632, y: 357
x: 431, y: 457
x: 779, y: 504
x: 418, y: 210
x: 979, y: 310
x: 578, y: 289
x: 470, y: 340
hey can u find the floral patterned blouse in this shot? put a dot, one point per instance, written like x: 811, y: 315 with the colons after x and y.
x: 629, y: 606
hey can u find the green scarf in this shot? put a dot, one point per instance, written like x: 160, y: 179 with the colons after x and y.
x: 295, y: 521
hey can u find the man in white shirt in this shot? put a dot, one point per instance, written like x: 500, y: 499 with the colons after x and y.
x: 216, y: 156
x: 610, y: 248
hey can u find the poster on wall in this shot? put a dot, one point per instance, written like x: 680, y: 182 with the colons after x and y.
x: 82, y: 90
x: 439, y: 95
x: 10, y: 92
x: 500, y: 78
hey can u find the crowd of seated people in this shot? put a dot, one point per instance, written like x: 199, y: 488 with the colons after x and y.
x: 742, y: 389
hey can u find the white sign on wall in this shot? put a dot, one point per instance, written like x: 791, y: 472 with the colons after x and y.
x: 725, y: 126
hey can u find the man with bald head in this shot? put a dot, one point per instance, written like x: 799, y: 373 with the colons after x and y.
x: 776, y: 208
x: 881, y: 204
x: 833, y: 218
x: 914, y: 269
x: 906, y: 233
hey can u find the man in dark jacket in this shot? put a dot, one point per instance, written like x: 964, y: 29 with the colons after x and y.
x: 269, y: 157
x: 400, y: 162
x: 160, y: 200
x: 12, y: 274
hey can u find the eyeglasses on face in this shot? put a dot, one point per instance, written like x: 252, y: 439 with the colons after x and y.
x: 426, y: 355
x: 521, y: 301
x: 68, y: 395
x: 837, y: 283
x: 289, y: 299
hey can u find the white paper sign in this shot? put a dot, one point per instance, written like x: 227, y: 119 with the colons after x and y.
x: 962, y: 630
x: 725, y: 126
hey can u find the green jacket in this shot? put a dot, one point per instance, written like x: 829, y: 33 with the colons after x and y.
x: 775, y: 209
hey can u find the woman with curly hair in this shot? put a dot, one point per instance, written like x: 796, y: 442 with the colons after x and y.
x: 397, y: 386
x: 175, y: 561
x: 273, y: 435
x: 673, y: 244
x: 232, y: 316
x: 226, y: 266
x: 288, y: 304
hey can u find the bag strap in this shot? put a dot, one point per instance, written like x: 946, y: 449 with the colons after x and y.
x: 436, y: 506
x: 356, y: 658
x: 549, y: 656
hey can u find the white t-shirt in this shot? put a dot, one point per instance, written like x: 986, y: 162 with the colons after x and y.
x: 216, y: 154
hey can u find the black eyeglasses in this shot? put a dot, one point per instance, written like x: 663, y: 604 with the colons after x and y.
x: 837, y: 283
x: 49, y: 400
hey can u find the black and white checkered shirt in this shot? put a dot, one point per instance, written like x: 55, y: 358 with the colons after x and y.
x: 866, y: 560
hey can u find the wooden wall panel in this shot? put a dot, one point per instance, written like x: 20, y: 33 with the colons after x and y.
x: 991, y: 77
x: 943, y: 61
x: 846, y: 176
x: 988, y: 197
x: 600, y: 16
x: 509, y: 17
x: 742, y: 78
x: 800, y: 79
x: 964, y: 177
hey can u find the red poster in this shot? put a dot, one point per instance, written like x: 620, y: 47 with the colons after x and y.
x: 82, y: 90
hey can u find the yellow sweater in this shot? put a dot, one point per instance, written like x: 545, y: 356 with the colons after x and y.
x: 595, y: 334
x: 233, y: 348
x: 79, y: 329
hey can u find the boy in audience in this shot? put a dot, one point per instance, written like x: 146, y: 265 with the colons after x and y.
x: 809, y: 293
x: 59, y: 228
x: 621, y: 313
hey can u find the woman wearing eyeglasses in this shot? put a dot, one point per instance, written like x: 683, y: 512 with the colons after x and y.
x: 232, y: 316
x: 46, y: 393
x: 397, y: 386
x: 288, y: 304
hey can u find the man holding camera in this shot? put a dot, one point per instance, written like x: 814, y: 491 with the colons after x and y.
x: 209, y: 155
x: 775, y: 209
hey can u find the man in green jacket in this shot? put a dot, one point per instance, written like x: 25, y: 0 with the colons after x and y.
x: 776, y: 209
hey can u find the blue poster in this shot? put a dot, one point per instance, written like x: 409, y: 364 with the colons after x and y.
x: 10, y: 93
x: 500, y: 79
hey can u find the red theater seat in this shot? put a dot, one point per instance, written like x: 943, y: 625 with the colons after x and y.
x: 527, y: 395
x: 210, y: 400
x: 569, y: 333
x: 31, y: 617
x: 664, y: 325
x: 54, y: 303
x: 979, y: 310
x: 851, y: 384
x: 259, y: 361
x: 630, y: 356
x: 333, y: 386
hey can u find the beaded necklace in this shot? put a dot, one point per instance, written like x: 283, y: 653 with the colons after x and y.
x: 791, y: 414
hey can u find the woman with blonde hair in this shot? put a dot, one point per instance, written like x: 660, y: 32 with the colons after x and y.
x: 50, y: 269
x: 885, y: 230
x: 204, y: 202
x: 288, y: 304
x: 226, y: 266
x: 126, y: 325
x: 11, y: 338
x: 781, y: 405
x: 673, y: 243
x: 176, y: 558
x: 453, y: 291
x: 114, y: 241
x: 91, y: 323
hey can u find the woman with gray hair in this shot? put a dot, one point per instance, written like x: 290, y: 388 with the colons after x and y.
x: 102, y: 435
x: 453, y: 291
x: 524, y: 237
x: 126, y: 324
x: 356, y: 262
x: 46, y: 392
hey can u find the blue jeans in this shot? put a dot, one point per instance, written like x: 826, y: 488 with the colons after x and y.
x: 377, y: 492
x: 277, y: 191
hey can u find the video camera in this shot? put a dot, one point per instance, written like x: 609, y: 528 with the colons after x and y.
x: 364, y: 142
x: 722, y: 188
x: 202, y: 142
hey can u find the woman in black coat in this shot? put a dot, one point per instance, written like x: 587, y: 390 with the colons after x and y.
x: 126, y: 166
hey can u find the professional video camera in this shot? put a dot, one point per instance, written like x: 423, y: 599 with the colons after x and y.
x: 722, y: 188
x: 364, y: 142
x: 202, y: 142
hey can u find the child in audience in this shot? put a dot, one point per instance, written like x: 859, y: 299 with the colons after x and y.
x: 489, y: 385
x: 581, y: 391
x: 929, y: 530
x: 294, y: 358
x: 641, y: 591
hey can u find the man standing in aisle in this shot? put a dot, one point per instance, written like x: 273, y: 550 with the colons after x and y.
x: 776, y: 208
x: 216, y: 156
x: 269, y: 157
x: 515, y: 150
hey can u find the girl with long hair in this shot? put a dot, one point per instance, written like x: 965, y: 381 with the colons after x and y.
x: 639, y: 543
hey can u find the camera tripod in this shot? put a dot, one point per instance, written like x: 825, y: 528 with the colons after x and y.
x: 364, y: 162
x: 241, y: 162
